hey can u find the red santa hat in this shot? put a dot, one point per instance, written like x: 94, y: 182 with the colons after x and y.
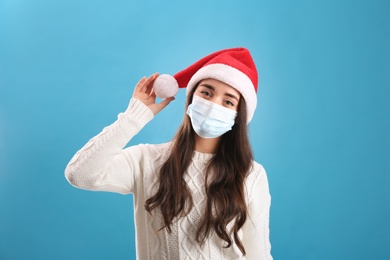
x: 233, y: 66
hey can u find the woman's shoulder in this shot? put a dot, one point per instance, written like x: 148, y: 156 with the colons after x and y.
x: 256, y: 171
x: 157, y: 148
x: 257, y: 175
x: 152, y: 151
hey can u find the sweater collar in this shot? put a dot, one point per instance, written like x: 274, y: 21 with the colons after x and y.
x: 205, y: 157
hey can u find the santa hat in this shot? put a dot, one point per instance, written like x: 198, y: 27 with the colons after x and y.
x: 233, y: 66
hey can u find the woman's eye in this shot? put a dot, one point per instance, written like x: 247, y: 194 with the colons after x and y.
x: 206, y: 93
x: 229, y: 103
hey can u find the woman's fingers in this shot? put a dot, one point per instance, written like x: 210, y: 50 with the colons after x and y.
x: 145, y: 85
x: 139, y: 85
x: 144, y: 92
x: 160, y: 106
x: 149, y: 83
x: 165, y: 102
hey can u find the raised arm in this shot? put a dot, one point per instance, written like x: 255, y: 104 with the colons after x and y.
x: 102, y: 164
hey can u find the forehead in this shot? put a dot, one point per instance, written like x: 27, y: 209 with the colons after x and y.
x: 220, y: 86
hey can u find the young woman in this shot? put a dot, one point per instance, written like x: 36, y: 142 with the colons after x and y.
x: 201, y: 196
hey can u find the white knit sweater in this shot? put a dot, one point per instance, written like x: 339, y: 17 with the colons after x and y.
x: 103, y: 164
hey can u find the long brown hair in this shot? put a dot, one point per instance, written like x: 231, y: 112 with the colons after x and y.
x: 225, y: 176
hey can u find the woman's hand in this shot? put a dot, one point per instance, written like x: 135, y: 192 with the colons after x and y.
x: 144, y: 92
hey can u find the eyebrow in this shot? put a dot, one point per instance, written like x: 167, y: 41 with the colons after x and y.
x: 213, y: 89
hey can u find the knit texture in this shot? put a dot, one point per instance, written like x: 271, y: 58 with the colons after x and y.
x: 104, y: 165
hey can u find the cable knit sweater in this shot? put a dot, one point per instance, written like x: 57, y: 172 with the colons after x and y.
x: 104, y: 165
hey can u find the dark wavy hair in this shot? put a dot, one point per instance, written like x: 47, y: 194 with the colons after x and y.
x: 224, y: 182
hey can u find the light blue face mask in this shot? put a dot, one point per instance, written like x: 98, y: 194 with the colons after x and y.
x: 208, y: 119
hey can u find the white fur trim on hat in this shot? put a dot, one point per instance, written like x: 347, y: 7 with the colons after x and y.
x: 231, y: 76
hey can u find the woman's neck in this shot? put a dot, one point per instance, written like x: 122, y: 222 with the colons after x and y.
x: 206, y: 145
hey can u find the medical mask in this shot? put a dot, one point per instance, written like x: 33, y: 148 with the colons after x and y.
x: 208, y: 119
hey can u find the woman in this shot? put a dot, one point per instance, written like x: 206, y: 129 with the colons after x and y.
x: 200, y: 196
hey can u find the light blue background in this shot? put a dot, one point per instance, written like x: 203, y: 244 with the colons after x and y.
x: 321, y: 130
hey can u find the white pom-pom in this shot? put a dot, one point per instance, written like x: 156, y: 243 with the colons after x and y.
x: 165, y: 86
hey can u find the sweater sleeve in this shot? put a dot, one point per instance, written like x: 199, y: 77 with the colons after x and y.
x: 256, y: 228
x: 102, y: 164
